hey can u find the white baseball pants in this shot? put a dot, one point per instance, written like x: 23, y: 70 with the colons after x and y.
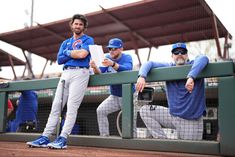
x: 155, y: 117
x: 73, y: 90
x: 110, y: 105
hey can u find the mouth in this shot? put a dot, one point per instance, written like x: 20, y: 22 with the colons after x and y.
x: 77, y: 29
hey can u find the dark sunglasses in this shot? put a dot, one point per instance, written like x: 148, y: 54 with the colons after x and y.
x: 113, y: 49
x: 180, y: 51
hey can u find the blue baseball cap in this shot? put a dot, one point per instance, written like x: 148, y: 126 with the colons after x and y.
x: 179, y: 45
x: 115, y: 43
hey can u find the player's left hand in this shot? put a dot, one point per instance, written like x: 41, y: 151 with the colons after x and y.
x: 92, y: 64
x: 140, y: 84
x: 189, y: 84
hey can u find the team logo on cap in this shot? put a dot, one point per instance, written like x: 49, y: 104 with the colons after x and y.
x: 179, y: 45
x: 112, y: 42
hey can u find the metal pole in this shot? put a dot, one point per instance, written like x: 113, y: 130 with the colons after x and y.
x: 31, y: 17
x: 29, y: 55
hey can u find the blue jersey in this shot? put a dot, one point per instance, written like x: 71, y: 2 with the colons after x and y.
x: 75, y: 44
x: 27, y: 109
x: 125, y: 64
x: 182, y: 103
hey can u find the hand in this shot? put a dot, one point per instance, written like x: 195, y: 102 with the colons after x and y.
x: 107, y: 62
x: 67, y: 52
x: 189, y: 84
x: 92, y: 64
x: 140, y: 84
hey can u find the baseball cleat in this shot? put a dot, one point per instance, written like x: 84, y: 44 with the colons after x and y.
x: 59, y: 143
x: 41, y: 142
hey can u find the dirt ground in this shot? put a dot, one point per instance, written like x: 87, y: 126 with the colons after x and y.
x: 13, y: 149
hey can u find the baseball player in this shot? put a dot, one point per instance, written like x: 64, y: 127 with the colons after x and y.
x: 27, y: 108
x: 115, y: 61
x: 186, y: 98
x: 74, y: 55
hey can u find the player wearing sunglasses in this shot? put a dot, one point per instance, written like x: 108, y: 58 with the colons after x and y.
x: 186, y: 98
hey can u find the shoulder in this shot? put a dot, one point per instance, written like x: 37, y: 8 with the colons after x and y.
x: 107, y: 55
x: 66, y: 41
x: 87, y: 40
x: 87, y: 37
x: 124, y: 55
x: 200, y: 58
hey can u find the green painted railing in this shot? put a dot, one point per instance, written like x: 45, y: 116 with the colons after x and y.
x: 226, y: 92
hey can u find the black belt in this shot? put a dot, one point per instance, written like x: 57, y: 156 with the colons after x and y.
x: 76, y: 67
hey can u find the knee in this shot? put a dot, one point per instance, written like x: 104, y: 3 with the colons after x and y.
x: 143, y: 112
x: 55, y: 112
x: 100, y: 111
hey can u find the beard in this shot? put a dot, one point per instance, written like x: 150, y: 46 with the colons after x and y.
x: 180, y: 61
x: 78, y: 31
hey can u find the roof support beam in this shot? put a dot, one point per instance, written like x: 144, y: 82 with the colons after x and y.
x: 23, y: 72
x: 12, y: 66
x: 10, y: 58
x: 13, y: 57
x: 43, y: 69
x: 135, y: 47
x: 226, y: 47
x: 29, y: 65
x: 127, y: 27
x: 150, y: 50
x: 216, y: 34
x: 211, y: 13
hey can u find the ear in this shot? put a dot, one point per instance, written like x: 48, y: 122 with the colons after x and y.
x: 187, y: 59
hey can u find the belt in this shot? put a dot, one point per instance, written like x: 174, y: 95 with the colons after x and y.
x: 76, y: 67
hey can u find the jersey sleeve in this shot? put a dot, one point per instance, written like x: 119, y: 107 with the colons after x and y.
x: 147, y: 66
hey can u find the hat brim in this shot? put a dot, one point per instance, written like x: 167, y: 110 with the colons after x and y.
x: 179, y: 48
x: 112, y: 46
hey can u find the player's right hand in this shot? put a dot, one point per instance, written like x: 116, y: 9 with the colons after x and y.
x: 107, y: 62
x: 140, y: 84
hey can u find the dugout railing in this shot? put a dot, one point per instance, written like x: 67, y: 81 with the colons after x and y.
x: 226, y: 109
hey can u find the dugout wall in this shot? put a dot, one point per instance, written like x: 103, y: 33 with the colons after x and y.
x: 226, y: 89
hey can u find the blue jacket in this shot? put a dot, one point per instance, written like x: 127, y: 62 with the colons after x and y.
x: 27, y: 109
x: 75, y: 44
x: 125, y: 64
x: 182, y: 103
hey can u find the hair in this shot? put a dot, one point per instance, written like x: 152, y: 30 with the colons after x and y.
x: 79, y: 17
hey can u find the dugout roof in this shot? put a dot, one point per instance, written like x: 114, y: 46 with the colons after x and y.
x: 148, y: 23
x: 7, y: 59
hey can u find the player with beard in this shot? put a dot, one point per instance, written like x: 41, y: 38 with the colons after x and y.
x: 75, y: 57
x: 115, y: 61
x: 186, y: 98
